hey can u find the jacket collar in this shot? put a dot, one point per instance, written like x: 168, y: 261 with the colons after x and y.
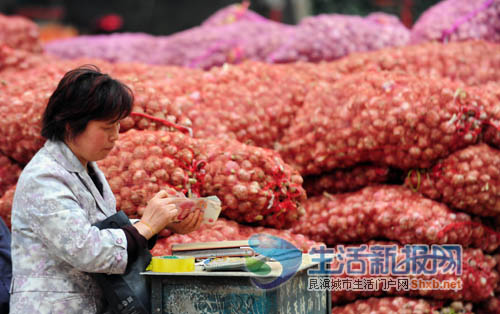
x: 64, y: 156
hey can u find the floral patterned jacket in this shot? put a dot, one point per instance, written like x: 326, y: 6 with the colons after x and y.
x: 54, y: 246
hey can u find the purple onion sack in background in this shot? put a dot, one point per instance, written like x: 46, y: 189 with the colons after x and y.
x: 121, y: 47
x: 248, y: 37
x: 457, y: 20
x: 198, y: 47
x: 331, y: 36
x: 208, y: 46
x: 231, y: 35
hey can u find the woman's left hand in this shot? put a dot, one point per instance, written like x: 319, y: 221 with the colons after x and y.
x: 189, y: 224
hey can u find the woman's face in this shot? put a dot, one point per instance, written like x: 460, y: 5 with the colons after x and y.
x: 95, y: 142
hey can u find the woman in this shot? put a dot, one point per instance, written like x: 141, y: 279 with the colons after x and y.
x: 62, y: 192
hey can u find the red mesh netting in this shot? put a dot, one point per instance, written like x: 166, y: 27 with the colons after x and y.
x: 143, y: 162
x: 471, y: 62
x: 254, y: 184
x: 393, y: 213
x: 252, y: 102
x: 328, y: 37
x: 17, y: 60
x: 345, y: 180
x: 9, y: 173
x: 468, y: 180
x: 386, y: 118
x: 23, y: 98
x: 490, y: 93
x: 456, y: 20
x: 19, y: 33
x: 387, y: 305
x: 6, y: 205
x: 490, y: 306
x: 478, y: 279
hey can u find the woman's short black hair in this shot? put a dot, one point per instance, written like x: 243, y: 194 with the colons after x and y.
x: 82, y: 95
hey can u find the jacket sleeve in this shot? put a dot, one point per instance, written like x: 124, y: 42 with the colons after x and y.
x: 62, y: 224
x: 5, y: 265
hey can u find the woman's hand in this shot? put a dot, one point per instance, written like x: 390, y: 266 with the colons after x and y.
x: 189, y: 224
x: 158, y: 214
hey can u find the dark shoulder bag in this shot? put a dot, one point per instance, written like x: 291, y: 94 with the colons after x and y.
x: 127, y: 293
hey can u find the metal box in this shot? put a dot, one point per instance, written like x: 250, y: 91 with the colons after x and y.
x: 233, y: 292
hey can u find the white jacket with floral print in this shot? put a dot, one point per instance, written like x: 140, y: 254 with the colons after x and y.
x: 54, y: 246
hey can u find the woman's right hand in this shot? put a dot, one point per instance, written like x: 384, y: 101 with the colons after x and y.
x: 157, y: 215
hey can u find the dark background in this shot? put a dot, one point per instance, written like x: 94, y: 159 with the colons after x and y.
x: 163, y: 17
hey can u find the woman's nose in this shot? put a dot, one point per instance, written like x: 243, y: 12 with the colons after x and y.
x: 115, y: 133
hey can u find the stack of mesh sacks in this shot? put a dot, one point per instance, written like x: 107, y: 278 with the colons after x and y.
x: 254, y: 184
x: 235, y: 34
x: 24, y: 93
x: 207, y: 46
x: 457, y: 20
x: 401, y: 305
x: 431, y: 131
x: 9, y: 173
x: 226, y: 37
x: 19, y: 33
x: 256, y: 178
x: 13, y: 60
x: 396, y: 123
x: 472, y: 62
x: 23, y: 97
x: 18, y: 40
x: 331, y: 36
x: 252, y: 103
x: 123, y: 47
